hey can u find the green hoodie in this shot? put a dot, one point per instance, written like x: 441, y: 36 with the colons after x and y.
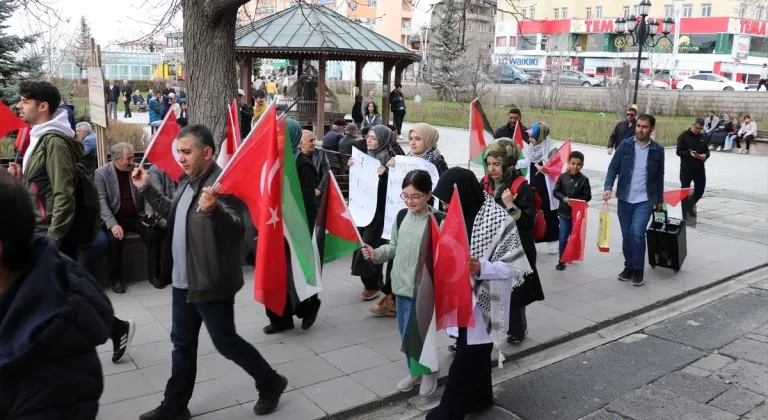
x: 50, y: 172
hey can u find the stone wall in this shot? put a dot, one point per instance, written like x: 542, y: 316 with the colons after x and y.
x: 662, y: 102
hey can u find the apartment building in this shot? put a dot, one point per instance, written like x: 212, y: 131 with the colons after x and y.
x: 479, y: 25
x: 726, y: 37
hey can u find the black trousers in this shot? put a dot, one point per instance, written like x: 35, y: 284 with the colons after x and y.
x: 761, y: 83
x: 469, y: 388
x: 127, y: 109
x: 147, y: 234
x: 301, y: 310
x: 399, y: 118
x: 747, y: 139
x: 699, y: 178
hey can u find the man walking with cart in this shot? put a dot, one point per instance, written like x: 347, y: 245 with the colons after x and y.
x: 639, y: 165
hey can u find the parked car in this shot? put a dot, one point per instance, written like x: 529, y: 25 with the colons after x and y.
x: 710, y: 82
x: 668, y: 79
x: 645, y: 82
x: 577, y: 78
x: 512, y: 74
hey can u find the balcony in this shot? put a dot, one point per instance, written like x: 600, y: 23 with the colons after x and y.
x: 406, y: 30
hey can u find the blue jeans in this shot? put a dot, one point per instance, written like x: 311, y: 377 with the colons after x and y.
x: 95, y: 254
x: 219, y: 319
x: 729, y: 141
x: 403, y: 307
x: 566, y: 226
x: 633, y: 219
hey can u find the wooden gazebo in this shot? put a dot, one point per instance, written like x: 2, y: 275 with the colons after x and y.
x: 310, y: 32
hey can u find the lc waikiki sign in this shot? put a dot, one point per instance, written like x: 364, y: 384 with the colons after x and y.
x: 522, y: 62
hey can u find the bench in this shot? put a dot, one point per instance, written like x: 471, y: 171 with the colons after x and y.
x: 133, y: 265
x: 759, y: 145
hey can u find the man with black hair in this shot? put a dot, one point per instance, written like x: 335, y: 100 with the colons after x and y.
x: 53, y: 315
x: 126, y: 90
x: 508, y: 129
x: 202, y: 261
x: 693, y: 152
x: 246, y: 114
x: 397, y: 104
x: 639, y: 165
x: 622, y: 130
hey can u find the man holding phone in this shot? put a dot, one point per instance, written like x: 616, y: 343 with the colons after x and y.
x: 693, y: 151
x: 123, y: 210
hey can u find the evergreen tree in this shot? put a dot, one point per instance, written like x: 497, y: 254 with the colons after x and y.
x: 447, y: 46
x: 13, y: 65
x: 81, y: 46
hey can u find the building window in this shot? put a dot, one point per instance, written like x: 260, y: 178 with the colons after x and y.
x: 599, y: 12
x: 669, y: 11
x: 742, y: 13
x: 706, y: 10
x: 501, y: 41
x: 625, y: 13
x: 588, y: 13
x: 512, y: 42
x: 564, y: 13
x: 759, y: 13
x: 687, y: 10
x: 525, y: 13
x: 371, y: 3
x: 532, y: 13
x: 557, y: 13
x: 527, y: 43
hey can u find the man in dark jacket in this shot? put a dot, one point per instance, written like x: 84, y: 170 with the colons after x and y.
x: 397, y: 105
x: 332, y: 138
x: 508, y: 129
x: 319, y: 160
x: 126, y: 92
x: 201, y: 259
x: 53, y: 315
x: 693, y: 151
x: 624, y: 129
x: 246, y: 114
x: 351, y: 137
x: 639, y: 166
x: 112, y: 93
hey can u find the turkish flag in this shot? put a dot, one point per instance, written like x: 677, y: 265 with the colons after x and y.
x: 233, y: 140
x: 674, y: 197
x: 162, y: 151
x: 255, y: 176
x: 23, y: 137
x: 453, y: 284
x: 556, y: 164
x: 9, y: 121
x: 574, y: 250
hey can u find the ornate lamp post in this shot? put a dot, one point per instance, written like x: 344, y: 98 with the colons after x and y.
x: 639, y: 31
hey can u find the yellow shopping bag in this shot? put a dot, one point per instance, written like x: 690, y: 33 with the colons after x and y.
x: 604, y: 233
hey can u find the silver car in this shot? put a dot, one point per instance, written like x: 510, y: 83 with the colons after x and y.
x: 577, y: 78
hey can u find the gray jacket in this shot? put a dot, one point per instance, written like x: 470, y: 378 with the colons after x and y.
x: 164, y: 185
x: 214, y: 241
x: 108, y: 187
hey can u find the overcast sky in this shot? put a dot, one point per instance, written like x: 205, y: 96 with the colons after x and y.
x: 115, y: 21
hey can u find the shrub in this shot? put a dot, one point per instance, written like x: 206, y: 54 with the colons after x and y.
x: 124, y: 132
x: 6, y: 147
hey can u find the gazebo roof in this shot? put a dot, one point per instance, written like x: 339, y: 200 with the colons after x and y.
x: 307, y: 30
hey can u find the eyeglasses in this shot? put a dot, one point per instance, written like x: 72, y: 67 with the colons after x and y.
x: 415, y: 197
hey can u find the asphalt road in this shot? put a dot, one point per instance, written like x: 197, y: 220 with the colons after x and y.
x: 710, y: 363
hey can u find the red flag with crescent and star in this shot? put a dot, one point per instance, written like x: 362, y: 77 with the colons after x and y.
x: 162, y: 150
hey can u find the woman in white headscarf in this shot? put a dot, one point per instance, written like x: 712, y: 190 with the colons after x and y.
x: 535, y: 154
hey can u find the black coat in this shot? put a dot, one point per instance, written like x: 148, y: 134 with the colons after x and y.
x: 113, y: 93
x: 571, y: 186
x: 621, y: 131
x: 509, y: 132
x: 307, y: 180
x: 246, y: 115
x: 51, y: 321
x: 127, y: 91
x: 688, y: 142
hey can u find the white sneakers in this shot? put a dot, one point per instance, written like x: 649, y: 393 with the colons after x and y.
x: 719, y: 148
x: 428, y: 384
x: 554, y: 247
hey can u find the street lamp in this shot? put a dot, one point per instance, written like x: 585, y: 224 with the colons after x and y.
x: 639, y: 31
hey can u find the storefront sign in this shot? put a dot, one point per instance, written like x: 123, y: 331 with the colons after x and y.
x: 740, y: 46
x: 754, y: 27
x: 521, y: 62
x: 592, y: 26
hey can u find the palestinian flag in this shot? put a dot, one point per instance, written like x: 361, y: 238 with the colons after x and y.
x: 480, y: 134
x: 335, y: 233
x: 420, y: 343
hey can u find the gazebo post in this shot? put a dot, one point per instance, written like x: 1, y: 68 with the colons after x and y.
x: 385, y: 94
x: 300, y: 70
x: 246, y: 74
x: 320, y: 125
x: 399, y: 69
x: 359, y: 64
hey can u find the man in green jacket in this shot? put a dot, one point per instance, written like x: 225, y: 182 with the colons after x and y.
x: 49, y: 173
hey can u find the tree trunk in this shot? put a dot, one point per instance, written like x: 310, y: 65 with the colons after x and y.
x: 209, y: 55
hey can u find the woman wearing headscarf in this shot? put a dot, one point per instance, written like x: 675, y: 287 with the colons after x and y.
x: 308, y: 309
x: 497, y: 266
x: 379, y: 146
x: 538, y: 151
x: 518, y: 200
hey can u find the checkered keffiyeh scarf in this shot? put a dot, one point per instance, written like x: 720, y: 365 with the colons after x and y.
x: 496, y: 239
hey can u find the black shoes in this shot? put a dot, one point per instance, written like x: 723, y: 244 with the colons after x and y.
x: 626, y: 275
x: 118, y: 287
x: 309, y: 320
x: 164, y: 413
x: 560, y: 266
x: 122, y: 335
x: 269, y: 398
x: 157, y: 284
x: 637, y: 277
x: 274, y: 329
x: 512, y: 339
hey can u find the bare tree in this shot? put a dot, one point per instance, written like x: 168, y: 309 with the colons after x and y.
x: 50, y: 39
x: 620, y: 89
x: 749, y: 8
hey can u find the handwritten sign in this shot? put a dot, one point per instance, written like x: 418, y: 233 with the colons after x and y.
x: 363, y: 187
x: 403, y: 165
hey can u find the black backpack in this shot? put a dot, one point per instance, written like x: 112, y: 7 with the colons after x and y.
x: 401, y: 215
x: 87, y: 220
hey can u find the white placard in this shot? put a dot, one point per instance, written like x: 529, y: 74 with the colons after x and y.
x: 96, y: 99
x: 403, y: 165
x: 363, y: 187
